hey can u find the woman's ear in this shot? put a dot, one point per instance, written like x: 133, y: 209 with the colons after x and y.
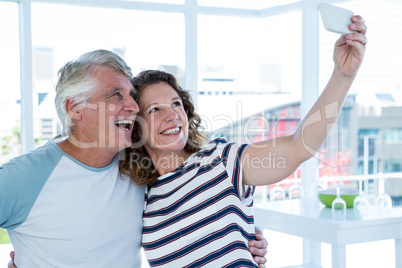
x: 73, y: 110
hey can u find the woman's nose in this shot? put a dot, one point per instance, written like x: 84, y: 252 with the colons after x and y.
x: 171, y: 114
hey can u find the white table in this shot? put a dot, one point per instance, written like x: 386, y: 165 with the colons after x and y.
x: 311, y: 220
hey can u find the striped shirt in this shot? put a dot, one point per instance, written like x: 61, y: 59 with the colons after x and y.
x: 200, y: 214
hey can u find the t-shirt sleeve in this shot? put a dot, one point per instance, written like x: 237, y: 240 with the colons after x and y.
x: 231, y: 154
x: 13, y: 195
x: 21, y: 181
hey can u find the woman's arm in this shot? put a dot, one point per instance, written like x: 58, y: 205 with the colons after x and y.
x: 270, y: 161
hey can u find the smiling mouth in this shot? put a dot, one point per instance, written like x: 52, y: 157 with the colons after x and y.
x: 171, y: 131
x: 124, y: 124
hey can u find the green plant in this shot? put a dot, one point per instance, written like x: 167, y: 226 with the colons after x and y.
x: 10, y: 145
x: 4, y: 239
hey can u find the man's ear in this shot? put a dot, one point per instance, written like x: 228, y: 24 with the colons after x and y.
x: 73, y: 109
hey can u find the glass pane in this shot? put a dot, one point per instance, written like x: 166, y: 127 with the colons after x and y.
x: 250, y: 78
x: 393, y: 135
x: 10, y: 92
x: 146, y: 40
x: 229, y: 67
x: 374, y: 105
x: 243, y: 72
x: 253, y: 4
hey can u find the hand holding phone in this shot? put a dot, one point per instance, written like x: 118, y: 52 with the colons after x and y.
x: 336, y: 19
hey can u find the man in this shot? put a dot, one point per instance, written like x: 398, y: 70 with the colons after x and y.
x: 65, y: 204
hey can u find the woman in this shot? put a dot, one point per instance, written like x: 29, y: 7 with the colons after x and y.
x: 199, y: 202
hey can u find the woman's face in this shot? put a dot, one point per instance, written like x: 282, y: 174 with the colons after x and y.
x: 165, y: 124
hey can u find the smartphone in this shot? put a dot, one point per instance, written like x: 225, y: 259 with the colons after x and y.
x: 336, y: 19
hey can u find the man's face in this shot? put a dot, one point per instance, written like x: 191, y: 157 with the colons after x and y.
x: 108, y: 119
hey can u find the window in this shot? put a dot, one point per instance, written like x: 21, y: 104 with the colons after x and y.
x: 10, y: 92
x: 374, y: 102
x: 244, y: 71
x: 393, y: 165
x: 368, y: 132
x: 146, y: 40
x: 393, y: 135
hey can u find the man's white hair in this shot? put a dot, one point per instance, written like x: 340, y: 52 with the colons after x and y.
x: 78, y: 83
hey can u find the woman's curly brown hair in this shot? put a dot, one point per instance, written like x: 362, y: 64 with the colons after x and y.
x: 136, y: 162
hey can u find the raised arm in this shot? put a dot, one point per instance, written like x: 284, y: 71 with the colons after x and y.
x: 273, y: 160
